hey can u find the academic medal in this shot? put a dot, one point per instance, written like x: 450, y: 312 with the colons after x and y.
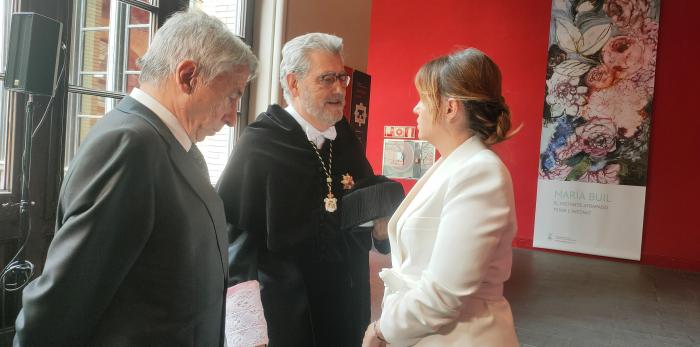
x: 331, y: 203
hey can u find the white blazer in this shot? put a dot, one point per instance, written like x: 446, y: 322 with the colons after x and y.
x: 451, y: 252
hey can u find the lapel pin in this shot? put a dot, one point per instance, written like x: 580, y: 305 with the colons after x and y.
x: 347, y: 181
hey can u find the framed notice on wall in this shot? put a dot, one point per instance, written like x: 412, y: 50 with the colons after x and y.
x: 407, y: 158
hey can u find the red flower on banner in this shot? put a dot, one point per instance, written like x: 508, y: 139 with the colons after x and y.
x: 600, y: 77
x: 627, y: 13
x: 624, y: 55
x: 598, y: 136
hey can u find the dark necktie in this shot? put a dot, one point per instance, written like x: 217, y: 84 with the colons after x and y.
x: 199, y: 160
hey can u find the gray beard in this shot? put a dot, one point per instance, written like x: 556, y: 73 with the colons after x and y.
x: 326, y: 117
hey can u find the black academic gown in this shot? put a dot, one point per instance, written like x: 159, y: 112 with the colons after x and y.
x: 314, y: 277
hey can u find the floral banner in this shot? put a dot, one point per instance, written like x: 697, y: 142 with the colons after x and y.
x: 596, y: 123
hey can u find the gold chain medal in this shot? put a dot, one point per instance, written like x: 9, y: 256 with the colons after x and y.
x: 330, y: 202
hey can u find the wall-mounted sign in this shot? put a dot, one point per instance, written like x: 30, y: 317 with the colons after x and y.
x: 407, y: 158
x: 400, y: 132
x: 357, y: 104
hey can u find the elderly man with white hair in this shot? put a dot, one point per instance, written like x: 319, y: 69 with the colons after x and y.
x: 139, y: 255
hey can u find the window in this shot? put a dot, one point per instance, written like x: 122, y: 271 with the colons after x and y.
x: 4, y: 114
x: 236, y: 14
x: 109, y: 35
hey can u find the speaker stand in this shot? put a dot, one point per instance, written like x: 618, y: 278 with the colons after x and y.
x: 17, y: 273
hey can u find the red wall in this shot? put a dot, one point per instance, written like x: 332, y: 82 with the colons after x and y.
x: 407, y: 33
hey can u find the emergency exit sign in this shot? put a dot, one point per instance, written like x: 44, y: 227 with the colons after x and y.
x: 401, y: 132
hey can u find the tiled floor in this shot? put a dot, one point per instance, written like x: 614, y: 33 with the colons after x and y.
x: 569, y: 301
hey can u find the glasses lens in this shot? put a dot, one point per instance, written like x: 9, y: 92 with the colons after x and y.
x: 329, y: 79
x: 344, y: 80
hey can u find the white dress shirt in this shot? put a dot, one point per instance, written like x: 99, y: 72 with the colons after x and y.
x: 314, y: 135
x: 166, y: 116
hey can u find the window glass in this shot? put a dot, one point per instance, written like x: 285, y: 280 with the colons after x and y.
x: 3, y: 136
x: 85, y: 124
x: 139, y: 16
x: 231, y: 12
x: 95, y: 81
x: 95, y: 49
x: 138, y: 43
x: 217, y: 148
x: 96, y: 13
x: 4, y: 119
x: 111, y: 66
x: 132, y: 80
x: 93, y: 106
x: 113, y: 35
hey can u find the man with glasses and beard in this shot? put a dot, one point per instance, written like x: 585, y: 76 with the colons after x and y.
x: 282, y: 191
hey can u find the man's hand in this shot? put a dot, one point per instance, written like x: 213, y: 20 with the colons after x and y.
x: 379, y: 231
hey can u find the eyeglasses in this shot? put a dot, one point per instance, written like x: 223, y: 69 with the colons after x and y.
x: 328, y: 79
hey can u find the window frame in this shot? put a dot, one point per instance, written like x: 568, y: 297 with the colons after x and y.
x: 116, y: 63
x: 6, y: 125
x: 245, y: 11
x: 116, y: 77
x: 242, y: 120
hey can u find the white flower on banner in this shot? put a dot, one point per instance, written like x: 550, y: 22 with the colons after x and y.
x: 585, y: 6
x: 565, y: 95
x: 588, y: 42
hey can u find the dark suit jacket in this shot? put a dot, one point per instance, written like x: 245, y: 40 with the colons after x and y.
x: 140, y: 252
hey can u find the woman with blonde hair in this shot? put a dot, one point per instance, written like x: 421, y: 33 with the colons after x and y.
x: 451, y: 237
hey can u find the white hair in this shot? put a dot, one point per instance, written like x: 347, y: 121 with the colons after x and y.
x: 197, y: 36
x: 295, y: 55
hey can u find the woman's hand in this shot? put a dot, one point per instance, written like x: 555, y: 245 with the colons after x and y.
x: 372, y: 336
x: 379, y: 231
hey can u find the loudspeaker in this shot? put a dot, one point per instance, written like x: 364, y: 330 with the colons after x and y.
x: 32, y: 60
